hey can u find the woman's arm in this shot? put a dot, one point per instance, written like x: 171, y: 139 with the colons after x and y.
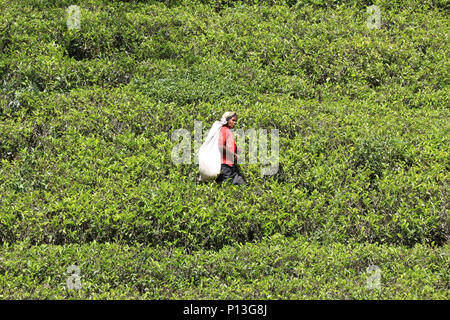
x: 229, y: 154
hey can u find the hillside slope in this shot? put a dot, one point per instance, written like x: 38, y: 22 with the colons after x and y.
x: 87, y: 118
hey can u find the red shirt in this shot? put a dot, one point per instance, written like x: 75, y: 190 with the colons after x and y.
x: 226, y: 138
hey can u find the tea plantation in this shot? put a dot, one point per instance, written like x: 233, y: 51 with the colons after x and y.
x: 88, y: 109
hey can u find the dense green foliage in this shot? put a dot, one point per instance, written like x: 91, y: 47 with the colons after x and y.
x: 276, y: 268
x: 86, y: 118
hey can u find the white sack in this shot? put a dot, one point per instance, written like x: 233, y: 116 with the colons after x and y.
x: 209, y: 155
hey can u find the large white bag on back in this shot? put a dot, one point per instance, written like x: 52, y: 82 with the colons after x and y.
x: 209, y: 156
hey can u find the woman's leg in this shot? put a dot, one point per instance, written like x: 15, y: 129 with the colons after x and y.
x: 238, y: 179
x: 230, y: 173
x: 225, y: 173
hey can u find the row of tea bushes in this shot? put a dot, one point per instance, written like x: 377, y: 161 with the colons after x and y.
x: 276, y: 268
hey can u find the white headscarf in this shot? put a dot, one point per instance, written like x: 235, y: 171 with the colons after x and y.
x: 226, y: 116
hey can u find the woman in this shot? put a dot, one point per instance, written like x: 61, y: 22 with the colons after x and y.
x: 227, y: 145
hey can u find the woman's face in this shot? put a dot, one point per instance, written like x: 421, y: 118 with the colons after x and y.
x: 232, y: 122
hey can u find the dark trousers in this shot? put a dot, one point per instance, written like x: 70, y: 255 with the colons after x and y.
x: 232, y: 174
